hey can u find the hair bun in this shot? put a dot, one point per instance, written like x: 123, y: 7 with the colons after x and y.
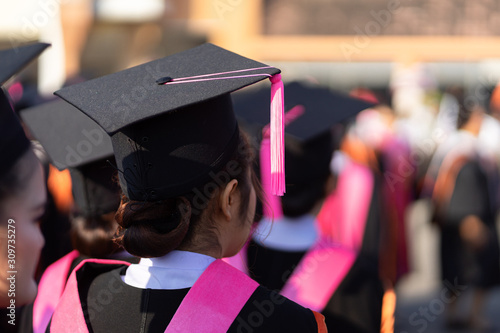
x: 153, y: 229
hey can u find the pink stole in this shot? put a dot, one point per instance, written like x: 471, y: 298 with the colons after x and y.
x: 342, y: 219
x: 215, y: 300
x: 343, y: 216
x: 50, y: 289
x: 318, y: 275
x: 68, y: 316
x: 211, y: 305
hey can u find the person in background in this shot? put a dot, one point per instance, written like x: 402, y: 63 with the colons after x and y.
x: 289, y: 227
x: 465, y: 199
x: 22, y: 194
x: 62, y: 130
x: 347, y: 272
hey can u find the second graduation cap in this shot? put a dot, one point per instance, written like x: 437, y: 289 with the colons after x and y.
x: 171, y: 120
x: 323, y: 108
x: 15, y: 59
x: 73, y: 140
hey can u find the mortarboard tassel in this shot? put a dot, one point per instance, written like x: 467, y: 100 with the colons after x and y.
x: 277, y: 136
x: 272, y: 206
x: 277, y: 118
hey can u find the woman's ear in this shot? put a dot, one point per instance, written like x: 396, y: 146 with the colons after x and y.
x: 229, y: 199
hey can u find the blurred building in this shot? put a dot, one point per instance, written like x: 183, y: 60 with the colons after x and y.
x: 341, y: 43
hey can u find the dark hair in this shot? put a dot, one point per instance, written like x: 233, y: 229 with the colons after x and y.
x: 93, y: 236
x: 17, y: 178
x: 153, y: 229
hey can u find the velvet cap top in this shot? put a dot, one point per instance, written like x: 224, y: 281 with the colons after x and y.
x: 69, y: 137
x: 73, y: 140
x: 171, y: 120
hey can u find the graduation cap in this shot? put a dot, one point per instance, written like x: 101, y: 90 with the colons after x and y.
x: 12, y: 61
x: 171, y: 120
x: 309, y: 142
x: 323, y: 109
x: 73, y: 140
x: 13, y: 141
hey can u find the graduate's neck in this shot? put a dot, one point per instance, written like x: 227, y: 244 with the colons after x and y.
x: 206, y: 243
x: 214, y: 253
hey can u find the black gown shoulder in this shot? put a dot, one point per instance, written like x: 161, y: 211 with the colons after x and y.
x: 271, y: 267
x: 110, y: 305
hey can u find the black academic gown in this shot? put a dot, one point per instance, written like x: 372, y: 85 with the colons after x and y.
x: 26, y: 319
x: 110, y: 305
x: 271, y: 267
x: 356, y: 304
x: 471, y: 196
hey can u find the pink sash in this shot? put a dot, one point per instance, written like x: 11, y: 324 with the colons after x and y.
x: 211, y: 305
x: 215, y: 300
x: 50, y: 289
x: 68, y: 316
x: 343, y: 216
x: 318, y: 275
x: 342, y: 224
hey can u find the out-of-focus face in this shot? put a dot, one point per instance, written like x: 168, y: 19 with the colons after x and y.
x: 20, y: 237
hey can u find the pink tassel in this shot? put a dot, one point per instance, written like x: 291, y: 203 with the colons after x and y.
x: 272, y: 208
x: 277, y: 136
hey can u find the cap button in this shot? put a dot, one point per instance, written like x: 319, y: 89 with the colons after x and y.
x: 164, y: 80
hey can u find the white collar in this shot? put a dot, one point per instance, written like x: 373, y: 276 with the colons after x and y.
x: 175, y: 270
x: 287, y: 234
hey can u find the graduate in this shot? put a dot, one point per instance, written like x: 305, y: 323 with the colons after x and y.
x: 336, y: 271
x: 188, y: 201
x: 73, y: 140
x: 285, y: 234
x: 22, y: 194
x: 465, y: 198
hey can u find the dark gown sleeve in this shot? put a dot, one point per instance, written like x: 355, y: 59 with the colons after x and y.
x: 470, y: 196
x: 272, y: 268
x: 478, y: 267
x: 356, y: 304
x: 26, y: 320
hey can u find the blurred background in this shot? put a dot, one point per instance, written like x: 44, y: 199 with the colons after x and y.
x: 407, y: 53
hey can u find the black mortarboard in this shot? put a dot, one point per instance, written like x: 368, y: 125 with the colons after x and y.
x: 323, y: 109
x: 13, y: 60
x: 13, y: 141
x: 69, y: 137
x: 171, y: 120
x: 95, y: 188
x: 73, y: 140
